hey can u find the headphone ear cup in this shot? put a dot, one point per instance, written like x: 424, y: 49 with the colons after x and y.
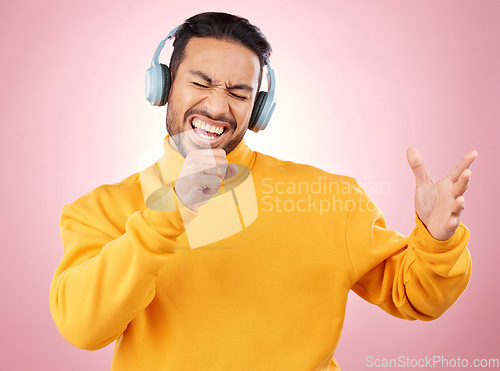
x: 157, y: 84
x: 166, y: 84
x: 257, y: 110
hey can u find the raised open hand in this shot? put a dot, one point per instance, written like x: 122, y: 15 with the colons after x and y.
x: 440, y: 204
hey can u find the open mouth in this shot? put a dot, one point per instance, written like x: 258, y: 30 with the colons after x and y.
x: 206, y: 131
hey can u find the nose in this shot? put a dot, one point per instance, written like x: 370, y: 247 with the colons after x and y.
x: 216, y: 103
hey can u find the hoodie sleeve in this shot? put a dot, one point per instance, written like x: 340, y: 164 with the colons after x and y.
x: 415, y: 277
x: 103, y: 282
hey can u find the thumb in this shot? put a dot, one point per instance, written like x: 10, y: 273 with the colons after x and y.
x: 231, y: 170
x: 417, y: 165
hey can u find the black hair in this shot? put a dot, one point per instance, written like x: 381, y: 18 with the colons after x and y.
x: 221, y: 26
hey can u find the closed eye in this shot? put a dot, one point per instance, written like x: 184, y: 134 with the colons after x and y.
x: 239, y: 96
x: 199, y: 85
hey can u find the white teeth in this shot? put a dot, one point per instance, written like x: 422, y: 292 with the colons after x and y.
x: 207, y: 127
x: 205, y: 136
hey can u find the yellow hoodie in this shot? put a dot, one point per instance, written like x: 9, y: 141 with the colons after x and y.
x: 266, y: 290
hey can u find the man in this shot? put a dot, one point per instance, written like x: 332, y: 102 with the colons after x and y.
x: 272, y: 295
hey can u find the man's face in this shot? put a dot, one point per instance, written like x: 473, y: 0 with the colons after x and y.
x: 212, y: 96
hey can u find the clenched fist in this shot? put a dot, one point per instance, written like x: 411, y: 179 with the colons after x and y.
x: 201, y: 176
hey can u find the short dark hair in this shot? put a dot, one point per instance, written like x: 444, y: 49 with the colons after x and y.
x: 221, y: 26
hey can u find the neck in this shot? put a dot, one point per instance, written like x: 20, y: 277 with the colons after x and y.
x: 172, y: 143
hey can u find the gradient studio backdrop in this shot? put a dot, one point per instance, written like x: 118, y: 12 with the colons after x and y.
x: 357, y: 83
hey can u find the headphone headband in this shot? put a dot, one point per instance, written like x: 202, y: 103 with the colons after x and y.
x: 156, y: 56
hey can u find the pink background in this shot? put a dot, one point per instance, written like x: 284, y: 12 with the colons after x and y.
x: 357, y: 83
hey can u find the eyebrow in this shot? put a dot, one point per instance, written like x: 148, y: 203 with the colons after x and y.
x: 209, y: 80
